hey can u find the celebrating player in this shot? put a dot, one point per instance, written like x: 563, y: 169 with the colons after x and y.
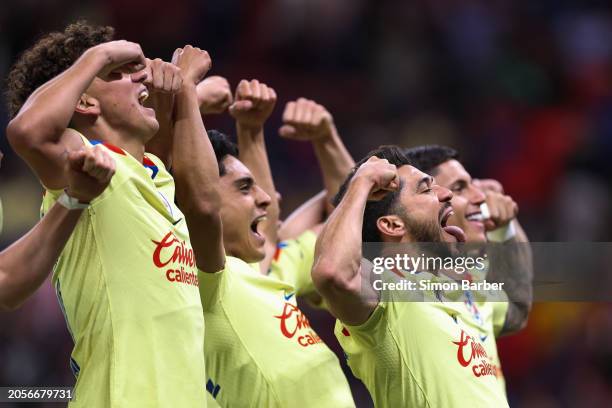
x: 127, y: 278
x: 260, y: 349
x: 26, y: 264
x: 408, y: 353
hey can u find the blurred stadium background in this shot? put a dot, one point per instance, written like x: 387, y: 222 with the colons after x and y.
x: 522, y: 89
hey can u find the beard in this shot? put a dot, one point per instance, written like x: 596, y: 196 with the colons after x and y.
x: 421, y: 231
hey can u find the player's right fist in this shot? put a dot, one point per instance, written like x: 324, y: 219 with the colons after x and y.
x: 89, y: 170
x: 193, y: 62
x: 380, y: 175
x: 306, y: 120
x: 122, y: 56
x: 214, y: 95
x: 162, y: 76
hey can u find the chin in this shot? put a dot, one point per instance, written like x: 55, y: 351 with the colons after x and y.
x: 476, y: 237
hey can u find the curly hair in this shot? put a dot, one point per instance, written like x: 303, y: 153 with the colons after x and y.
x: 51, y: 55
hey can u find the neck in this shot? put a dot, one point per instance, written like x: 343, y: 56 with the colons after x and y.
x: 129, y: 141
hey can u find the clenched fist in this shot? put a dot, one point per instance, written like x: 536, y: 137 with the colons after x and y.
x: 253, y: 103
x: 162, y: 77
x: 214, y: 95
x: 380, y: 175
x: 193, y: 62
x: 89, y: 172
x: 306, y: 120
x: 502, y: 208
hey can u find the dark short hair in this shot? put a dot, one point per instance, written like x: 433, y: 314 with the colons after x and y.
x: 50, y: 56
x: 427, y: 158
x: 376, y: 209
x: 223, y: 147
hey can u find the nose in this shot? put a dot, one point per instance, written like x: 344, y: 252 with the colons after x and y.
x: 443, y: 193
x: 476, y: 195
x: 262, y: 199
x: 139, y: 76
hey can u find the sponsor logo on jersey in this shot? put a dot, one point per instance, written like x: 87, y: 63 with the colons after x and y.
x: 471, y: 352
x: 175, y: 255
x: 295, y: 324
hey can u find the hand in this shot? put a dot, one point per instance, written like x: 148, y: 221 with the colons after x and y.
x: 381, y: 176
x: 89, y: 172
x: 193, y: 62
x: 122, y: 56
x: 162, y: 77
x: 306, y: 120
x: 253, y: 103
x: 502, y: 210
x: 214, y: 95
x: 486, y: 185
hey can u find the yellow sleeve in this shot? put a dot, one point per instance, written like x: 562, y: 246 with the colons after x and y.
x: 212, y: 287
x: 365, y: 336
x: 293, y: 261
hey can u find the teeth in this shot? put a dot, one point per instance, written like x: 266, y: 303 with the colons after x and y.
x: 143, y: 96
x: 475, y: 217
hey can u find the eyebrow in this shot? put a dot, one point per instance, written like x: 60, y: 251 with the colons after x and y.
x: 246, y: 179
x: 427, y: 180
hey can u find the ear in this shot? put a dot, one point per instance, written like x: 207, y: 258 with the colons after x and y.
x: 88, y: 106
x: 391, y: 226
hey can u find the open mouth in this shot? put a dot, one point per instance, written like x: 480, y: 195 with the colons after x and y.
x: 451, y: 230
x: 255, y: 225
x: 143, y: 95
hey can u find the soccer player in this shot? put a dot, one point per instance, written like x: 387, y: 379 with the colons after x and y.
x: 127, y: 278
x: 26, y: 264
x: 408, y: 353
x: 499, y: 224
x: 307, y: 121
x: 260, y: 349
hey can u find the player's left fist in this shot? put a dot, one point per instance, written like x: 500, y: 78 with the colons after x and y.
x: 214, y: 95
x: 162, y: 76
x: 193, y: 62
x: 306, y: 120
x: 502, y: 210
x: 90, y: 170
x: 253, y: 103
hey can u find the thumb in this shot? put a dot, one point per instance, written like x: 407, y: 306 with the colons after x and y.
x: 76, y: 159
x: 287, y: 131
x: 242, y: 105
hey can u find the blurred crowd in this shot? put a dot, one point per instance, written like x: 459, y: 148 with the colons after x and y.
x: 522, y: 89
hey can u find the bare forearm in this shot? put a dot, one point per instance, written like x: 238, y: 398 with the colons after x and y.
x: 308, y: 216
x: 339, y: 244
x: 25, y: 265
x: 50, y: 108
x: 197, y: 178
x: 252, y: 148
x: 515, y: 269
x: 334, y: 160
x: 161, y: 144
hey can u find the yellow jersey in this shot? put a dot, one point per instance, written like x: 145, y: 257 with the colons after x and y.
x: 429, y: 352
x: 260, y: 349
x: 127, y: 285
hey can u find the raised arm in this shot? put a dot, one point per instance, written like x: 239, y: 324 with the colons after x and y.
x: 196, y: 171
x: 308, y: 216
x: 515, y: 265
x: 25, y: 265
x: 253, y: 105
x: 39, y: 134
x: 309, y: 121
x: 337, y: 271
x: 163, y: 81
